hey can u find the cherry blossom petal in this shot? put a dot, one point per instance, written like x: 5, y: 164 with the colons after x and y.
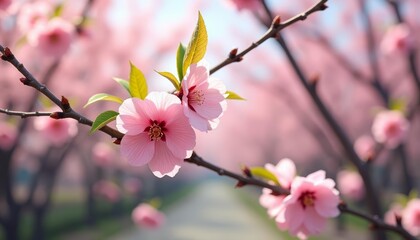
x: 164, y: 163
x: 137, y: 149
x: 326, y: 202
x: 132, y: 118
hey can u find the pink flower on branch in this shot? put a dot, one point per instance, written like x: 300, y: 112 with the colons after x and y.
x: 350, y: 184
x: 390, y: 128
x: 33, y: 14
x: 398, y: 39
x: 365, y: 147
x: 57, y: 131
x: 312, y: 200
x: 145, y: 215
x: 52, y: 38
x: 411, y: 217
x: 285, y: 172
x: 202, y: 97
x: 157, y: 133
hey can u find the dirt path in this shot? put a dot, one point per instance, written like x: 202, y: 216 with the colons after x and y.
x: 213, y: 212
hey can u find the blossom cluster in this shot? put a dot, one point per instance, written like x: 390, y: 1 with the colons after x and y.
x: 159, y: 129
x: 44, y: 29
x: 311, y: 201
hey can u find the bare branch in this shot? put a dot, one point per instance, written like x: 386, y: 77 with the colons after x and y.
x: 273, y: 30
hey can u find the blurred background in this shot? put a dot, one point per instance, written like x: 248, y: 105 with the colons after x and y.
x: 60, y: 182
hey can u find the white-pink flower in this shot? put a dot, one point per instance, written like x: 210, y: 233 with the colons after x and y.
x: 285, y: 171
x: 240, y: 5
x: 145, y: 215
x: 157, y: 133
x: 390, y: 127
x: 103, y: 154
x: 312, y: 200
x: 411, y: 217
x: 53, y: 38
x: 350, y: 184
x: 398, y: 39
x: 57, y: 131
x: 365, y: 147
x: 8, y: 134
x: 4, y: 4
x: 202, y: 97
x: 32, y: 14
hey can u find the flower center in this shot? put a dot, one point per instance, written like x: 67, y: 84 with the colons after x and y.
x: 54, y: 38
x: 307, y: 199
x: 156, y: 130
x: 392, y: 129
x: 196, y: 97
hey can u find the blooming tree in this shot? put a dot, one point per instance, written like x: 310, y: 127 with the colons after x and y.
x: 157, y: 127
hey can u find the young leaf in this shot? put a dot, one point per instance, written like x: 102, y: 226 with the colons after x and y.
x: 124, y: 83
x: 234, y: 96
x: 197, y: 46
x: 179, y: 61
x: 137, y: 83
x: 398, y: 105
x: 264, y: 173
x: 103, y: 119
x: 171, y: 78
x: 103, y: 97
x: 58, y: 10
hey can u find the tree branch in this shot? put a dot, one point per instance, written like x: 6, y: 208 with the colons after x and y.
x: 273, y: 30
x: 24, y: 114
x: 377, y: 222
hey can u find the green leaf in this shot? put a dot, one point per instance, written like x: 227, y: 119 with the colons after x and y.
x: 103, y: 119
x: 264, y: 173
x: 233, y: 96
x: 124, y: 83
x: 171, y: 78
x: 137, y: 83
x: 103, y: 97
x: 180, y: 53
x: 197, y: 46
x: 58, y: 10
x: 398, y: 105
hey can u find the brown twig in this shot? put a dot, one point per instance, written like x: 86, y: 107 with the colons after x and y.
x: 273, y: 30
x: 377, y: 223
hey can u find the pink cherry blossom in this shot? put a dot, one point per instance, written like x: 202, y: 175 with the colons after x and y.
x: 103, y: 154
x: 390, y: 128
x: 57, y: 131
x: 411, y: 217
x: 394, y: 211
x: 53, y: 38
x: 350, y: 184
x: 8, y: 135
x: 285, y: 171
x: 157, y: 133
x: 365, y: 147
x: 32, y: 14
x: 312, y: 200
x: 145, y: 215
x: 108, y: 190
x: 4, y: 4
x: 398, y: 39
x: 240, y: 5
x: 202, y: 97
